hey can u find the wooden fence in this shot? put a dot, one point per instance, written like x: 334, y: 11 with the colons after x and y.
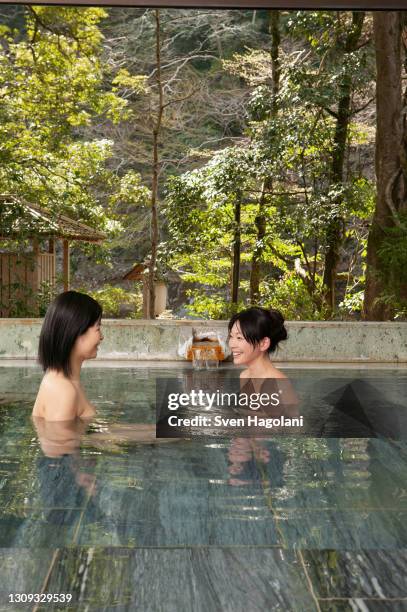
x: 21, y: 278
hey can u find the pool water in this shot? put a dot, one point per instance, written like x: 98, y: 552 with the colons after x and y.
x: 281, y: 523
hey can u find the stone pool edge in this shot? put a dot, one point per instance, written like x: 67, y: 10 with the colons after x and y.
x: 311, y: 342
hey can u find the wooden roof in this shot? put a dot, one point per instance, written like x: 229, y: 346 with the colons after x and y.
x: 137, y: 272
x: 34, y: 221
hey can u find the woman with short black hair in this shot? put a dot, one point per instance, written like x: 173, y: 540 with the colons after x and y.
x: 70, y: 334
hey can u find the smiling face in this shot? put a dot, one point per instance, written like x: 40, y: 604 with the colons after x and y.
x: 243, y: 352
x: 86, y: 346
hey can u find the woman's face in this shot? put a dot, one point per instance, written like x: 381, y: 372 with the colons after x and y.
x: 243, y: 352
x: 86, y: 346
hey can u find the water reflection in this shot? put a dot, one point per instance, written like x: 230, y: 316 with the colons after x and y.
x: 63, y: 475
x: 246, y: 458
x: 66, y: 477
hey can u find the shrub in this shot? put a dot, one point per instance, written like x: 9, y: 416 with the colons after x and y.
x: 117, y: 302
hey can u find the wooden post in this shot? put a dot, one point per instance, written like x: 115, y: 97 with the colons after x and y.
x: 30, y: 293
x: 36, y: 246
x: 66, y: 270
x: 146, y: 297
x: 51, y: 251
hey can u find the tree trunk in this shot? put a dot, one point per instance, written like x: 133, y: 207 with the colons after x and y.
x: 403, y: 202
x: 155, y: 169
x: 334, y: 231
x: 389, y: 199
x: 275, y: 60
x: 260, y: 221
x: 236, y: 253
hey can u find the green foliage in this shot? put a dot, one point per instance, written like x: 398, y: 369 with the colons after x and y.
x: 360, y: 195
x: 26, y: 303
x: 54, y: 83
x: 133, y: 83
x: 115, y: 300
x: 199, y: 208
x: 213, y: 306
x: 45, y: 296
x: 290, y: 148
x: 69, y: 76
x: 53, y: 88
x: 128, y: 204
x: 352, y: 303
x: 326, y: 33
x: 290, y: 295
x: 200, y: 213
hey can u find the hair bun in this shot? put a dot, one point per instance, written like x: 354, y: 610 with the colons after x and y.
x: 257, y: 323
x: 279, y: 331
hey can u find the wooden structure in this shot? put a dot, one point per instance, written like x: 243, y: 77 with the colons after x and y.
x: 140, y: 272
x: 24, y: 274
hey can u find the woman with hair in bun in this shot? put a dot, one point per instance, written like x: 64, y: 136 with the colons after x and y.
x: 254, y: 334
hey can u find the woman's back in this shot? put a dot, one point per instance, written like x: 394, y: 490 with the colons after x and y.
x: 60, y: 399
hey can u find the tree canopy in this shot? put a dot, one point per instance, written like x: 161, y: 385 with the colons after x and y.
x: 247, y: 141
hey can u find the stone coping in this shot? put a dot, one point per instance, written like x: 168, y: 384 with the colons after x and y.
x: 159, y: 340
x: 123, y: 364
x: 206, y: 323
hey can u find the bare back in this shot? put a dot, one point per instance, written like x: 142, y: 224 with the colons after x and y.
x: 61, y: 399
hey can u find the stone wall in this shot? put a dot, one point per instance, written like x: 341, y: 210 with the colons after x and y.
x: 322, y: 341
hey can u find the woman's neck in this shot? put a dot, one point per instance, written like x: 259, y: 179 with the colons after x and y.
x: 259, y: 367
x: 76, y: 365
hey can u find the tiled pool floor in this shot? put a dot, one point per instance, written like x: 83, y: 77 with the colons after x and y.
x: 301, y: 524
x: 209, y: 579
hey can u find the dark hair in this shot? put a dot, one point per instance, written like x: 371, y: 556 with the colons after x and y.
x: 67, y: 317
x: 257, y: 323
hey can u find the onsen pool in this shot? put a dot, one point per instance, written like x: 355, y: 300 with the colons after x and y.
x: 203, y: 524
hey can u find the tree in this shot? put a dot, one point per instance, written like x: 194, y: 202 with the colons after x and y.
x: 156, y: 168
x: 203, y: 108
x: 52, y: 82
x: 178, y: 54
x: 336, y: 80
x: 343, y: 116
x: 391, y: 201
x: 204, y: 213
x: 267, y: 184
x: 302, y: 118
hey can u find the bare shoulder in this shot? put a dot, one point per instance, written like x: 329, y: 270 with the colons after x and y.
x: 57, y: 399
x: 276, y: 373
x: 57, y: 385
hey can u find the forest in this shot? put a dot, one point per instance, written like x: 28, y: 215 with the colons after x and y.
x: 243, y: 156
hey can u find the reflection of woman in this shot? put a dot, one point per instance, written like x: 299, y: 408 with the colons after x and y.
x: 62, y: 482
x: 70, y: 334
x: 58, y: 438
